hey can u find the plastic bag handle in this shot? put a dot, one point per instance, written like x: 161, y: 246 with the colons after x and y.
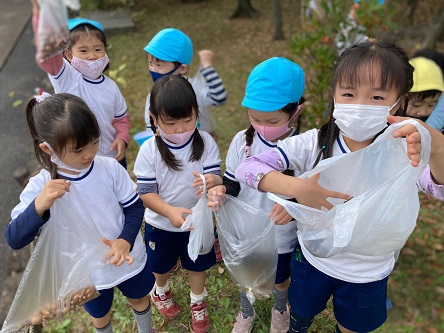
x: 188, y: 222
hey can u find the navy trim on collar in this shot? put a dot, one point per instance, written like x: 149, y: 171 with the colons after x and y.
x: 95, y: 82
x: 64, y: 65
x: 79, y: 178
x: 180, y: 147
x: 340, y: 145
x: 265, y: 142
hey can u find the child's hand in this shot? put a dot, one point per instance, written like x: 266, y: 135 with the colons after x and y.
x: 52, y: 190
x: 119, y: 251
x: 216, y: 197
x: 314, y: 195
x: 206, y: 58
x: 412, y: 136
x: 121, y: 146
x: 176, y: 215
x: 210, y: 179
x: 35, y: 5
x: 280, y: 215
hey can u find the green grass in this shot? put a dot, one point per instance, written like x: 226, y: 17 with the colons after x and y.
x: 416, y: 286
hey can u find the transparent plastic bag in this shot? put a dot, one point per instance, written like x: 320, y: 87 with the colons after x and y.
x: 57, y: 277
x: 248, y: 244
x: 202, y: 236
x: 52, y: 30
x: 385, y: 205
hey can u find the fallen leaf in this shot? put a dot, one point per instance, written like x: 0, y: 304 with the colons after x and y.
x: 11, y: 94
x: 440, y: 290
x: 17, y: 103
x: 221, y: 270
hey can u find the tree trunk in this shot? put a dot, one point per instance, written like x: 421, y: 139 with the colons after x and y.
x: 435, y: 33
x: 278, y: 32
x: 244, y: 9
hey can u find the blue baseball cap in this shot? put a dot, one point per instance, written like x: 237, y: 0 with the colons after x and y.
x: 273, y: 84
x: 171, y: 45
x: 75, y: 22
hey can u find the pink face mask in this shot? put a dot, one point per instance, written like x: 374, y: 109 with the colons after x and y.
x: 177, y: 138
x: 271, y: 133
x: 90, y: 68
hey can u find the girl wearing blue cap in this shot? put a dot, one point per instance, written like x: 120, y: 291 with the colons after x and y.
x: 78, y: 70
x: 170, y: 53
x: 273, y: 99
x: 370, y: 85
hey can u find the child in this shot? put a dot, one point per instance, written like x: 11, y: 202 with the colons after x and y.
x: 79, y: 71
x: 272, y: 112
x: 170, y: 53
x: 167, y: 169
x: 428, y: 85
x: 376, y: 77
x: 66, y: 140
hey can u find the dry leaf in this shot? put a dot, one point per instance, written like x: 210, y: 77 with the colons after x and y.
x: 221, y: 270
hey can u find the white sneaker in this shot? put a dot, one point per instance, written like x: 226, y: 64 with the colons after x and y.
x: 280, y: 322
x: 243, y: 325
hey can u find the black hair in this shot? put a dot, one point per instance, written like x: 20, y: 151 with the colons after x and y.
x: 289, y: 109
x: 381, y: 60
x: 173, y: 97
x: 59, y: 120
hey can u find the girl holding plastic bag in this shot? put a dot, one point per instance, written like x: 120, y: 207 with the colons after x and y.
x: 79, y: 71
x: 167, y: 169
x: 370, y: 85
x: 66, y: 139
x: 272, y: 98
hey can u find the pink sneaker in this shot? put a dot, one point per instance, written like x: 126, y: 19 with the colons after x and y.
x: 200, y: 321
x: 165, y: 304
x: 217, y: 250
x: 243, y: 325
x: 280, y: 322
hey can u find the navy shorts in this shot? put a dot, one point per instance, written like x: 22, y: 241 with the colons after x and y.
x: 163, y: 248
x: 136, y: 287
x: 283, y: 267
x: 360, y: 307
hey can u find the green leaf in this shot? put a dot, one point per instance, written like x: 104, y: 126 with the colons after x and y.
x: 17, y: 103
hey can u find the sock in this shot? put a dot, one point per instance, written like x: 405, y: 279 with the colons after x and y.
x: 299, y: 324
x: 337, y: 330
x: 143, y: 320
x: 107, y: 329
x: 198, y: 298
x: 247, y: 307
x: 280, y: 300
x: 161, y: 290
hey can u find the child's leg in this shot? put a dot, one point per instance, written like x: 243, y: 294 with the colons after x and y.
x: 280, y: 315
x: 299, y: 324
x: 100, y: 310
x: 200, y: 321
x: 142, y: 313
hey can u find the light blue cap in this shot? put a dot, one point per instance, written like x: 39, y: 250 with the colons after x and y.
x: 171, y: 45
x: 273, y: 84
x: 75, y: 22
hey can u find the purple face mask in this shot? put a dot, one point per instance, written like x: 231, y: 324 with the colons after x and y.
x: 271, y: 133
x: 176, y: 138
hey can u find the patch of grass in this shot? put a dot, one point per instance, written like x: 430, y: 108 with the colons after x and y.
x: 416, y: 286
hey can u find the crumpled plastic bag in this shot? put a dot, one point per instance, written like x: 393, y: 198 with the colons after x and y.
x: 385, y: 205
x: 248, y: 245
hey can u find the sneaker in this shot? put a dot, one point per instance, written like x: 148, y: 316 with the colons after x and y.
x: 280, y: 322
x: 243, y: 325
x: 200, y: 320
x: 165, y: 304
x: 217, y: 250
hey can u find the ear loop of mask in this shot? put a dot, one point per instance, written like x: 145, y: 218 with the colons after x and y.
x: 57, y: 161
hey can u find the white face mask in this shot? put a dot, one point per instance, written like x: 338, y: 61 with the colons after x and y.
x: 57, y: 161
x: 361, y: 122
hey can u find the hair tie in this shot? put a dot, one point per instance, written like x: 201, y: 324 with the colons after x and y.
x: 41, y: 97
x: 323, y: 147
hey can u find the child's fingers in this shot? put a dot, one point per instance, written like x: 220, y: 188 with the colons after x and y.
x: 129, y: 259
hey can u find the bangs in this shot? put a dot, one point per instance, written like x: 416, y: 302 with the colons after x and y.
x: 83, y: 30
x: 78, y: 129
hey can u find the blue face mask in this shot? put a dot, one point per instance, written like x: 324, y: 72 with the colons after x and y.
x: 156, y: 75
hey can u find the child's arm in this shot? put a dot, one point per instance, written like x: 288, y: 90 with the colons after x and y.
x: 261, y: 172
x: 217, y: 93
x: 132, y: 223
x: 429, y: 185
x: 122, y: 127
x: 154, y: 202
x: 51, y: 65
x: 25, y: 226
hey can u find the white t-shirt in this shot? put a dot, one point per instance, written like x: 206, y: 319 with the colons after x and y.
x: 286, y: 235
x: 102, y: 96
x: 299, y: 153
x: 105, y: 188
x: 175, y: 187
